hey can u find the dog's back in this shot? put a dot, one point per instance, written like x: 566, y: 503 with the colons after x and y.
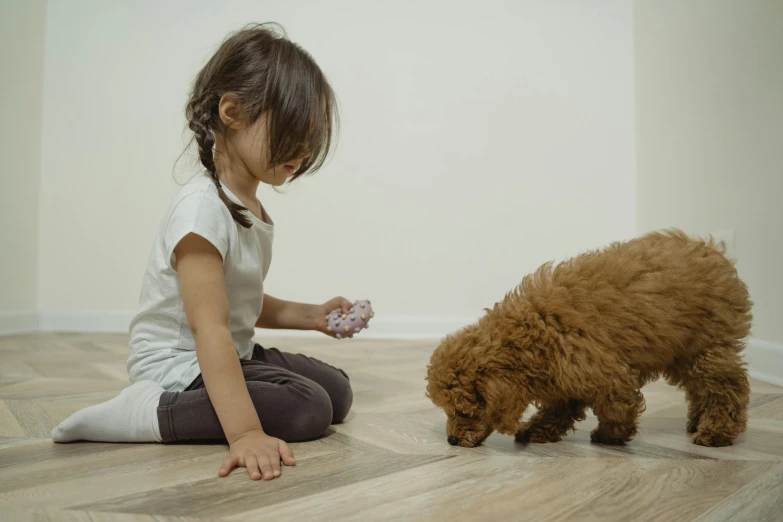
x: 664, y: 293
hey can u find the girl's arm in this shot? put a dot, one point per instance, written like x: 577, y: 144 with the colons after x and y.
x: 288, y: 315
x: 200, y: 273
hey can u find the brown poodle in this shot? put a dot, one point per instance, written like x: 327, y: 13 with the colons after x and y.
x: 590, y: 332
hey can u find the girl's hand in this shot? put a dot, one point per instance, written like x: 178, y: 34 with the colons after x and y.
x: 260, y: 454
x: 321, y: 311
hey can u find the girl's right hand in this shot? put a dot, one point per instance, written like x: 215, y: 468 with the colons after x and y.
x: 260, y: 454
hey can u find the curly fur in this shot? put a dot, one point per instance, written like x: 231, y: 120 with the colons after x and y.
x: 590, y: 332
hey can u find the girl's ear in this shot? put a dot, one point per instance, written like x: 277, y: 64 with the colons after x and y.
x: 230, y: 112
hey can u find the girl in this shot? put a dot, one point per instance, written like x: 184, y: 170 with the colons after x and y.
x: 262, y: 112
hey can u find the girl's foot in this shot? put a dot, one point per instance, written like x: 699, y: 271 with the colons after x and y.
x: 132, y: 416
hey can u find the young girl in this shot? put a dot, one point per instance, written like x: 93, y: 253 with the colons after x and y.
x: 262, y: 112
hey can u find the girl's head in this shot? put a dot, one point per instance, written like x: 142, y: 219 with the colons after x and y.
x: 264, y: 103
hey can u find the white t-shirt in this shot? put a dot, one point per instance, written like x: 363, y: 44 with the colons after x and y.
x: 162, y: 348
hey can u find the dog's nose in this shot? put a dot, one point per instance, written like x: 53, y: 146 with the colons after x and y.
x: 454, y: 441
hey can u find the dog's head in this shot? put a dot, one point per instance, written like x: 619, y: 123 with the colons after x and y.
x: 476, y: 387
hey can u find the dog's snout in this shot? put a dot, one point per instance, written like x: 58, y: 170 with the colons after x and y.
x: 454, y: 441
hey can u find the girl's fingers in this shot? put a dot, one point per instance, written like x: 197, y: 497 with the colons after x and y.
x: 228, y: 464
x: 346, y: 305
x: 274, y: 460
x: 286, y: 455
x: 266, y: 467
x: 252, y: 466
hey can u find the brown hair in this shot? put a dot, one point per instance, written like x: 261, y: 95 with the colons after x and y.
x: 267, y: 74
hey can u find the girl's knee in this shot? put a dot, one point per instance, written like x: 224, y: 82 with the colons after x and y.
x: 310, y: 417
x: 342, y: 398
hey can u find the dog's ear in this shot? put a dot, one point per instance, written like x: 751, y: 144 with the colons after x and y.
x: 505, y: 402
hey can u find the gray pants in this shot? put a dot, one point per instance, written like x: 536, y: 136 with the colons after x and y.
x: 297, y: 398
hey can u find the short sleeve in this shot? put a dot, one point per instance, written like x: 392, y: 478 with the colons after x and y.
x: 197, y: 213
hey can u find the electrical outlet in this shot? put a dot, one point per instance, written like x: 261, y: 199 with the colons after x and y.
x: 724, y: 240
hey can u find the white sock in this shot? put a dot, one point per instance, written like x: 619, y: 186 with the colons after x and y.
x: 132, y: 416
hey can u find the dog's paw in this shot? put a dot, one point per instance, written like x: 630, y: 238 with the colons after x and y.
x: 600, y: 437
x: 692, y: 425
x: 711, y: 439
x: 536, y: 435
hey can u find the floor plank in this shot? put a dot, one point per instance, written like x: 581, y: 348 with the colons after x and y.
x: 579, y: 489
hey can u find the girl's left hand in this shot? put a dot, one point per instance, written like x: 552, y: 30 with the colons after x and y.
x: 325, y: 309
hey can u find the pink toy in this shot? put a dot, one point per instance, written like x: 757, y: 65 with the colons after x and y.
x: 344, y: 325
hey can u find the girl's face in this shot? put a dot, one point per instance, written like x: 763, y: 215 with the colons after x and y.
x: 248, y: 146
x: 251, y: 145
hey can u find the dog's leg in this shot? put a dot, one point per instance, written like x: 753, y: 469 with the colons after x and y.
x: 618, y: 409
x: 552, y: 422
x: 697, y: 403
x: 723, y: 393
x: 677, y: 375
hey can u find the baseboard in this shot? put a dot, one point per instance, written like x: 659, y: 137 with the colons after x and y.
x: 399, y: 327
x: 88, y: 322
x: 14, y: 323
x: 765, y: 361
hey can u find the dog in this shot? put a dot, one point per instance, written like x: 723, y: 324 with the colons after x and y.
x: 590, y: 332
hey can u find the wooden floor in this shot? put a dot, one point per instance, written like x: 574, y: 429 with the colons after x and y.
x: 390, y: 460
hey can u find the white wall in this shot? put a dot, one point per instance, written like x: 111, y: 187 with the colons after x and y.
x: 21, y: 84
x: 709, y: 91
x: 478, y: 141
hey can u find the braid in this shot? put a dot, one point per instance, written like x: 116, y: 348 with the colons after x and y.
x: 199, y: 114
x: 202, y: 116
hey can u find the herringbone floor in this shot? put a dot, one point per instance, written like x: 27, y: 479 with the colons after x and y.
x: 390, y: 460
